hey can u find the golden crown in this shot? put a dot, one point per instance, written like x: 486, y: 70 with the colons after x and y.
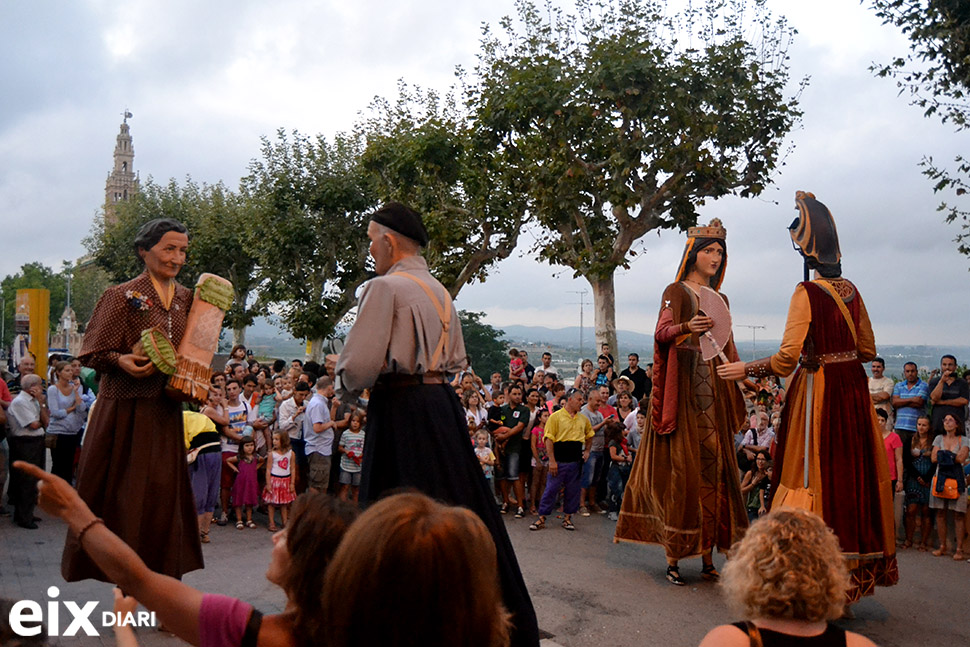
x: 713, y: 230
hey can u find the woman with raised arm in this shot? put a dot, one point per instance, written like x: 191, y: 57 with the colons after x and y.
x: 684, y: 491
x: 300, y: 557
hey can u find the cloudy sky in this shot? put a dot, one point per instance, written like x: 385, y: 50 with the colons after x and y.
x: 206, y: 80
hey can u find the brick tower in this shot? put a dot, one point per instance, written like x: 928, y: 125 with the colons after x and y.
x: 122, y: 182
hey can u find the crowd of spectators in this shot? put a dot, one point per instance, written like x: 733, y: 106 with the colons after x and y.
x: 269, y: 432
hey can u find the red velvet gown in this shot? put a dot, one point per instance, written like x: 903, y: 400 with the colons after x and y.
x: 849, y: 483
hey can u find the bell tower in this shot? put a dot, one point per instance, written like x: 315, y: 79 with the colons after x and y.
x: 122, y: 183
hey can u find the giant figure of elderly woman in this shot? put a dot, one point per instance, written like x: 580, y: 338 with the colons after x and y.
x: 133, y: 471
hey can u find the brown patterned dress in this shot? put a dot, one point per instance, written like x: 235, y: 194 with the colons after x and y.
x: 133, y: 472
x: 684, y: 492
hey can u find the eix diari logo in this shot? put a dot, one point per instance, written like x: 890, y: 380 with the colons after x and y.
x: 27, y: 617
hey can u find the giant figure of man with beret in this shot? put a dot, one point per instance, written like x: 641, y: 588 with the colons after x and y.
x: 406, y: 345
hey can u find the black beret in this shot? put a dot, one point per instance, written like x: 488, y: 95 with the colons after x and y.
x: 402, y: 219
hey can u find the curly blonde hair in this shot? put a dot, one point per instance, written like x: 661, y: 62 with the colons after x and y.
x: 789, y: 565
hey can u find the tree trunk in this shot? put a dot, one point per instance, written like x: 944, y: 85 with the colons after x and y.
x: 239, y: 335
x: 317, y: 350
x: 604, y: 307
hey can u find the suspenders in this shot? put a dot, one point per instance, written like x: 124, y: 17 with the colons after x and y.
x: 444, y: 315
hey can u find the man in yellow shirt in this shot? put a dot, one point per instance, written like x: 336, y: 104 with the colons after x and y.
x: 568, y: 437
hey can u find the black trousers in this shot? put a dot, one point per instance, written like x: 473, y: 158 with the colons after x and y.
x: 23, y: 488
x: 62, y: 456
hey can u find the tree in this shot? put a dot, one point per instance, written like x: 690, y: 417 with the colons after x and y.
x: 483, y: 344
x: 425, y: 151
x: 88, y: 283
x: 625, y: 121
x: 937, y: 76
x: 217, y: 220
x: 310, y: 239
x: 32, y: 276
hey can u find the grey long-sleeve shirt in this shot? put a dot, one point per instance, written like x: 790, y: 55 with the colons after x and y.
x: 397, y: 330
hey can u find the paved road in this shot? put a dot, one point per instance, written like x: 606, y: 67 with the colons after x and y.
x: 587, y: 590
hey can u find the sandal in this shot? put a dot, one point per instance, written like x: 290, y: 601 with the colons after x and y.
x: 273, y: 529
x: 568, y: 525
x: 940, y: 552
x: 907, y: 544
x: 709, y: 573
x: 958, y: 556
x: 538, y: 524
x: 673, y: 576
x: 251, y: 524
x: 239, y: 525
x: 204, y: 537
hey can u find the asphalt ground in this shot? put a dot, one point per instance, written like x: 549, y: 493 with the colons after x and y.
x: 586, y: 589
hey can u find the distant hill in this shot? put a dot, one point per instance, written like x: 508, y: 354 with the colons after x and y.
x: 268, y: 340
x: 569, y: 337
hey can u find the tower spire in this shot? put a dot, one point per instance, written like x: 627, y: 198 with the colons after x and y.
x: 122, y: 183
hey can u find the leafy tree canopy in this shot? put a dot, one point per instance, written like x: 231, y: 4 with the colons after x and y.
x: 216, y: 218
x: 426, y: 151
x: 32, y: 276
x: 625, y: 117
x: 936, y: 74
x: 310, y: 235
x: 483, y: 344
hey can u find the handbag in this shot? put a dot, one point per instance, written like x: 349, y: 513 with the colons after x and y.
x: 194, y: 453
x: 949, y: 488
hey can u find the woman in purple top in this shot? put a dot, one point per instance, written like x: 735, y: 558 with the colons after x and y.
x: 301, y: 554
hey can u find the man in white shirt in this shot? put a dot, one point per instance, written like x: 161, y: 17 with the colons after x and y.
x: 754, y: 441
x: 291, y: 415
x: 881, y: 387
x: 547, y: 367
x: 28, y: 417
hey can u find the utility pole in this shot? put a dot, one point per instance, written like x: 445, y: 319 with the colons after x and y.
x: 754, y: 332
x: 582, y: 306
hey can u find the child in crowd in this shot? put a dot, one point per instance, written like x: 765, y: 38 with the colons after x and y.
x: 280, y: 479
x: 475, y: 413
x: 245, y: 491
x: 267, y: 403
x: 351, y: 457
x: 516, y: 366
x: 283, y: 386
x: 540, y: 460
x: 486, y: 458
x: 621, y: 461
